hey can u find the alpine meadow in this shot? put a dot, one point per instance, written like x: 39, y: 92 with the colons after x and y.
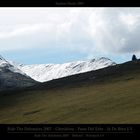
x: 108, y: 95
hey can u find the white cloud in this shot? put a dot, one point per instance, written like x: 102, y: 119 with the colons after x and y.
x: 116, y: 30
x: 24, y: 30
x: 93, y: 30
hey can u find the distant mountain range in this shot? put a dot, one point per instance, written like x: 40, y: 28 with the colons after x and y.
x: 14, y: 75
x: 47, y: 72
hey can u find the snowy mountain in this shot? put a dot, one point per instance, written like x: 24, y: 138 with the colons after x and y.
x: 46, y: 72
x: 12, y: 77
x: 5, y: 64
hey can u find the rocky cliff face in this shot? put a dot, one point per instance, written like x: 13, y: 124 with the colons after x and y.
x: 11, y: 77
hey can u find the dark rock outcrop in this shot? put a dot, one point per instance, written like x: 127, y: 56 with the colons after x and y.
x: 134, y: 58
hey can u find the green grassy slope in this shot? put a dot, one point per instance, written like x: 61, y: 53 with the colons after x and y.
x: 114, y: 97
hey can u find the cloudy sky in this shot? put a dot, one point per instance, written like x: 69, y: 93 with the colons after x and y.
x: 58, y: 35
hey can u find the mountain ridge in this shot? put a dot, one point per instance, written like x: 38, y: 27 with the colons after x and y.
x: 11, y: 77
x: 47, y: 72
x: 92, y: 77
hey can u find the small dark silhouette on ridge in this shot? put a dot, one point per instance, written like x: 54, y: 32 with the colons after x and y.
x: 134, y: 57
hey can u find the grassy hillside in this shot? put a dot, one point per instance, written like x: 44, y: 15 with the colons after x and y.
x: 110, y: 95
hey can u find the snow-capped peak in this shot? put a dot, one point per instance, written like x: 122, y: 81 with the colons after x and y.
x: 2, y: 59
x: 3, y: 62
x: 46, y: 72
x: 7, y: 65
